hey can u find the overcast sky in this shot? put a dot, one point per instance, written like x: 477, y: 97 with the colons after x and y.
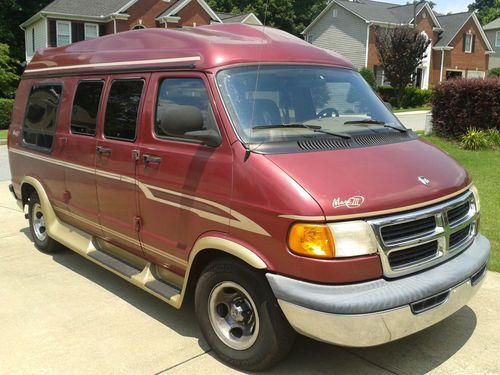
x: 443, y: 6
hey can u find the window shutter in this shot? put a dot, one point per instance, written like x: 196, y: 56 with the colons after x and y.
x: 80, y: 27
x: 464, y: 36
x: 52, y: 34
x: 102, y: 30
x: 473, y: 42
x: 74, y: 32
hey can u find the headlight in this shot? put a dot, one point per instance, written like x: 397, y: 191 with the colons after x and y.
x: 335, y: 240
x: 475, y: 192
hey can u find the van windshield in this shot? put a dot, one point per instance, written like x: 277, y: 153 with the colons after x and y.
x: 281, y: 103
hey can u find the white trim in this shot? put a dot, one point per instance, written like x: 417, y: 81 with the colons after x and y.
x: 497, y: 39
x: 73, y: 17
x: 479, y: 27
x: 327, y: 8
x: 471, y: 36
x: 46, y: 32
x: 114, y: 25
x: 116, y: 64
x: 251, y: 15
x: 126, y: 6
x: 442, y: 65
x: 367, y: 43
x: 95, y: 25
x: 176, y: 9
x: 69, y: 32
x: 431, y: 12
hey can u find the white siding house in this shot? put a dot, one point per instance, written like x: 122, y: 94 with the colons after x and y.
x: 492, y: 31
x: 35, y: 37
x: 340, y: 31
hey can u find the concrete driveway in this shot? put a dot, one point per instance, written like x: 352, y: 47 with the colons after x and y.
x: 4, y: 164
x: 413, y: 120
x: 61, y: 314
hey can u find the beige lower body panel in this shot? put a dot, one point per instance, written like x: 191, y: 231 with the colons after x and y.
x: 377, y: 328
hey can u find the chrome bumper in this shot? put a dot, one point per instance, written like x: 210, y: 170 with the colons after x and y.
x: 351, y: 318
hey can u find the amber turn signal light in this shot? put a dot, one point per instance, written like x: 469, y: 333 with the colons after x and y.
x: 311, y: 240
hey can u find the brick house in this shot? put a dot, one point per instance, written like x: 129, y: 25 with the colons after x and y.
x: 68, y: 21
x: 459, y: 46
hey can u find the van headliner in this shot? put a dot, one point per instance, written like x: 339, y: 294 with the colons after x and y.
x: 203, y: 47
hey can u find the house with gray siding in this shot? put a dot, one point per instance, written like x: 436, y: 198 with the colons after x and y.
x: 459, y: 47
x: 492, y: 31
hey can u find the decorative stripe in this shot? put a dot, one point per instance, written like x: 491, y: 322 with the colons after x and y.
x: 375, y: 213
x: 116, y: 64
x: 236, y: 220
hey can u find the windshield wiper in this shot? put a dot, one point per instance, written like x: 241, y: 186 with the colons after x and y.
x: 314, y: 128
x: 376, y: 122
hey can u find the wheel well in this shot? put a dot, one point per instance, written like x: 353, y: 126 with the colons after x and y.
x: 204, y: 258
x: 26, y: 191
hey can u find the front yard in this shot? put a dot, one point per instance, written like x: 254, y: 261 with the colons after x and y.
x: 3, y: 134
x: 484, y: 167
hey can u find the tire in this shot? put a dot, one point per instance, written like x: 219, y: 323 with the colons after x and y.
x: 38, y: 230
x: 240, y: 317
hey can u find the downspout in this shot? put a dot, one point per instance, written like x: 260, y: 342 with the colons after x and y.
x: 442, y: 63
x: 367, y: 43
x: 114, y: 25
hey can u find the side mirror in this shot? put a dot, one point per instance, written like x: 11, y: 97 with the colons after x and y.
x: 388, y: 105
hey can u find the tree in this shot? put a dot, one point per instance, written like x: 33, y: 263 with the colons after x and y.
x: 8, y: 73
x: 400, y: 50
x: 488, y: 10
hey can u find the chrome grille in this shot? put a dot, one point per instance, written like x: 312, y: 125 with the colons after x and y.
x: 418, y: 239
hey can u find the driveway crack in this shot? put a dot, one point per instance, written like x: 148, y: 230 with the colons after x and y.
x: 371, y: 362
x: 181, y: 363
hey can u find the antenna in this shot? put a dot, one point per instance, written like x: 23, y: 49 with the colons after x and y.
x: 248, y: 149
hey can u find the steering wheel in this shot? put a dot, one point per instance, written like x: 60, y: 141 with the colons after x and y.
x: 328, y: 112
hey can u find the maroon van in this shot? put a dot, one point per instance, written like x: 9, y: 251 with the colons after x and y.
x: 254, y: 170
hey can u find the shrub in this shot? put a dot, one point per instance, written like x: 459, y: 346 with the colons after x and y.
x: 495, y: 72
x: 5, y: 112
x: 369, y: 77
x: 387, y: 93
x: 415, y: 97
x: 475, y: 140
x: 461, y: 104
x: 493, y: 136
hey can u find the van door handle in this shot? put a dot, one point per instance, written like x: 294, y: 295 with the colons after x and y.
x: 151, y: 159
x: 103, y: 150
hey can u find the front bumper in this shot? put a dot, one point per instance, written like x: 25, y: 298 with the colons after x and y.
x: 376, y: 312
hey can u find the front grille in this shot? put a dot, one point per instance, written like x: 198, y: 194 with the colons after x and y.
x: 409, y: 229
x: 459, y: 236
x: 418, y: 239
x: 412, y: 255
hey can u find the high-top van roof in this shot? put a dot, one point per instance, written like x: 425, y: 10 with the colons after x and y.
x: 202, y: 47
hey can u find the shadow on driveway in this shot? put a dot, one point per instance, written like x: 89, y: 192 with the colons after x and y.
x: 416, y: 355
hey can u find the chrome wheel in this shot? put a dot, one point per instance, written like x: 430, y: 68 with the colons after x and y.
x: 38, y: 221
x: 233, y: 315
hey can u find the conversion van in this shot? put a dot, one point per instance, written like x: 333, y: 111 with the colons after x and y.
x: 252, y: 170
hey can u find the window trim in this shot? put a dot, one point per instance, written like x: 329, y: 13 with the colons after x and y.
x: 497, y: 39
x: 139, y: 109
x: 69, y: 33
x: 95, y: 26
x: 99, y: 110
x: 471, y: 41
x: 335, y: 13
x: 181, y: 139
x: 56, y: 119
x: 309, y: 38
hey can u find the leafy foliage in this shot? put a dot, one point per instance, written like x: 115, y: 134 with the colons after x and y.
x: 369, y: 77
x: 290, y: 16
x: 488, y: 10
x: 8, y: 73
x: 461, y: 104
x: 6, y: 106
x: 493, y: 136
x: 495, y: 72
x: 474, y: 140
x: 413, y: 97
x: 400, y: 50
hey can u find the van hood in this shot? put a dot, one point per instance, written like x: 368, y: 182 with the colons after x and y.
x: 373, y: 180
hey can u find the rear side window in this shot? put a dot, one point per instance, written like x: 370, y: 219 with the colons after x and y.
x: 86, y: 108
x: 41, y: 115
x: 122, y: 109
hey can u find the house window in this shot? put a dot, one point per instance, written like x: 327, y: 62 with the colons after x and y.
x: 497, y: 39
x: 138, y: 27
x: 91, y: 31
x: 309, y: 38
x: 335, y: 13
x: 63, y: 32
x: 468, y: 43
x: 424, y: 15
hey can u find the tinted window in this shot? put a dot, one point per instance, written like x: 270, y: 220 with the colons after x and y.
x: 41, y: 115
x: 86, y: 108
x: 122, y: 109
x: 189, y: 92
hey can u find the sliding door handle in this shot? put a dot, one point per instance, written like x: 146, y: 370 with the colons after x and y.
x: 103, y: 150
x: 151, y: 159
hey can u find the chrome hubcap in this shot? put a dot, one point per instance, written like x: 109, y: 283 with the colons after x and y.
x: 233, y: 315
x: 38, y: 222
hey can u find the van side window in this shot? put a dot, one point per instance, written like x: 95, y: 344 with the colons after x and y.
x: 122, y: 109
x: 176, y: 93
x: 86, y: 107
x: 41, y: 115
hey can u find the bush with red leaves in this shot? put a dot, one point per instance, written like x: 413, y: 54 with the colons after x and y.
x: 461, y: 104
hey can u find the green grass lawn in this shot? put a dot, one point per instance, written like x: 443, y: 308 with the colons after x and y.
x: 3, y: 134
x: 484, y: 167
x: 423, y: 108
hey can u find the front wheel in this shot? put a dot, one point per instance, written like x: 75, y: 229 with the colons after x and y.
x: 38, y: 228
x: 240, y: 317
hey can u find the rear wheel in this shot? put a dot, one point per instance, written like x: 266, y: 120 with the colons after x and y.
x: 240, y: 317
x: 38, y: 228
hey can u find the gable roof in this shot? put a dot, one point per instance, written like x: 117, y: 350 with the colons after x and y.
x: 92, y: 8
x: 495, y: 24
x: 172, y: 11
x: 237, y: 18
